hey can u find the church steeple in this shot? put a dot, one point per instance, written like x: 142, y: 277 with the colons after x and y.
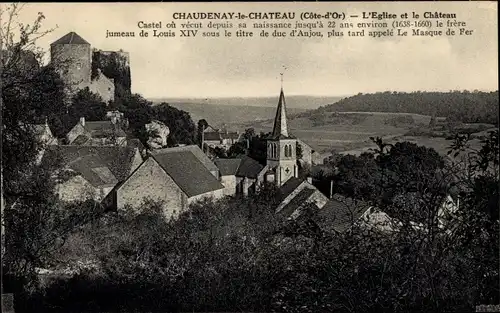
x: 280, y: 122
x: 281, y: 146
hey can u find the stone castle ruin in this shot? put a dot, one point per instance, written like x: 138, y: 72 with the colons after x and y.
x: 75, y: 61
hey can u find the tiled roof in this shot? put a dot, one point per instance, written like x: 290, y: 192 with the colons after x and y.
x: 303, y: 144
x: 194, y: 149
x: 80, y: 140
x: 289, y: 186
x: 280, y: 127
x: 40, y: 129
x: 100, y: 129
x: 242, y: 167
x: 298, y: 201
x: 90, y: 167
x: 340, y: 213
x: 212, y: 136
x: 188, y: 172
x: 71, y: 38
x: 135, y: 143
x: 118, y: 160
x: 228, y: 166
x: 249, y: 168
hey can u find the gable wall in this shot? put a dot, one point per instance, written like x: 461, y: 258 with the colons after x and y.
x: 151, y: 182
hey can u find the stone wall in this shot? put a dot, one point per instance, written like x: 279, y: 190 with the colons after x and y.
x: 76, y: 131
x: 74, y: 63
x: 151, y: 182
x: 318, y: 198
x: 229, y: 182
x: 211, y: 195
x: 104, y: 87
x: 114, y: 65
x: 306, y: 152
x: 75, y: 189
x: 136, y: 161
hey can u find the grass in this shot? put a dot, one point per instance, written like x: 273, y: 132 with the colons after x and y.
x: 350, y: 132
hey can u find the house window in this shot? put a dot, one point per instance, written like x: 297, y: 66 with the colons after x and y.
x: 78, y: 65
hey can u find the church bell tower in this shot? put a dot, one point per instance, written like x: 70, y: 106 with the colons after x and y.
x: 282, y: 146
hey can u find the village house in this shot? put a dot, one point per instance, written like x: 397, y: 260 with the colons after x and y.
x: 44, y: 137
x: 96, y: 133
x: 89, y: 172
x: 197, y: 152
x: 309, y: 156
x: 340, y: 214
x: 297, y: 194
x: 174, y: 178
x: 217, y: 138
x: 241, y: 175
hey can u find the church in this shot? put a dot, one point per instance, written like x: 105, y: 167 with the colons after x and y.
x: 281, y: 148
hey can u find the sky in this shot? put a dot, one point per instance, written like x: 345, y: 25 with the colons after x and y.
x: 250, y: 67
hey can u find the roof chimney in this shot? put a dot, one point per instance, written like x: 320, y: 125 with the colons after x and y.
x: 82, y: 121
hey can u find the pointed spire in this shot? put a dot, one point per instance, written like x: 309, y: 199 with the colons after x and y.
x: 280, y: 122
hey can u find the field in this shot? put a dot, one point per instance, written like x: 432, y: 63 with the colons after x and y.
x: 350, y: 132
x: 235, y: 111
x: 345, y: 132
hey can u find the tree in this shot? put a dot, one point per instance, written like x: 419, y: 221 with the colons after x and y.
x: 89, y: 105
x: 358, y: 177
x: 182, y: 127
x: 237, y: 149
x: 202, y: 125
x: 23, y: 84
x: 249, y: 134
x: 139, y: 112
x: 34, y: 220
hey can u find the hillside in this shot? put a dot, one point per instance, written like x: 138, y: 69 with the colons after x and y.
x: 467, y: 107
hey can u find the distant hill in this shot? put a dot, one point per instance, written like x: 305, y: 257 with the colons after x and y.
x: 467, y: 107
x: 231, y: 115
x: 297, y: 102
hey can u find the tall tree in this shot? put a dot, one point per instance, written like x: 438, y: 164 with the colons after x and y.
x: 89, y: 105
x: 202, y: 125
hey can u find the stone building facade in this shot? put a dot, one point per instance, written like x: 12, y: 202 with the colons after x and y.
x: 71, y: 56
x: 89, y: 172
x: 173, y: 177
x: 97, y: 133
x: 241, y: 175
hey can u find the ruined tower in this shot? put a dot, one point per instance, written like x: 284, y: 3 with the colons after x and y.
x: 71, y: 56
